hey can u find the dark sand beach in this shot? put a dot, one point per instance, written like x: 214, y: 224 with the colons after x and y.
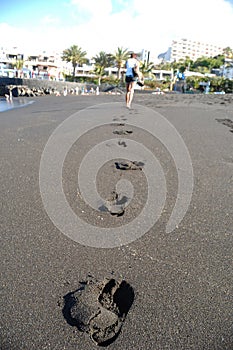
x: 181, y: 280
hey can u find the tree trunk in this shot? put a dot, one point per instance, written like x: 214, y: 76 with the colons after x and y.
x: 119, y: 73
x: 74, y: 66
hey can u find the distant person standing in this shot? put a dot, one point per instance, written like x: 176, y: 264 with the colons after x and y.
x: 65, y: 91
x: 132, y: 74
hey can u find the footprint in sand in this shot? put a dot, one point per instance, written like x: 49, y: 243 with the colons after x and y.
x: 122, y: 143
x: 118, y: 124
x: 99, y: 309
x: 115, y: 205
x: 129, y: 165
x: 227, y: 122
x: 122, y: 132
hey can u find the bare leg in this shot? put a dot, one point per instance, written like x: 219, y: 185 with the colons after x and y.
x: 129, y: 93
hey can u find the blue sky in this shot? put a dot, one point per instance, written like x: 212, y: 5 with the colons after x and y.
x: 97, y: 25
x: 26, y: 13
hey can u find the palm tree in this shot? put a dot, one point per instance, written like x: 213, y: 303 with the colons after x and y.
x: 228, y: 52
x: 18, y: 64
x: 75, y: 55
x: 99, y: 71
x: 146, y: 68
x: 120, y: 56
x: 102, y: 60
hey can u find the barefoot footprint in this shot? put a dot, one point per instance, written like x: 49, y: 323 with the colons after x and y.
x: 99, y: 309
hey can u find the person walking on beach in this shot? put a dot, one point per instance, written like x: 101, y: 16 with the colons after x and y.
x: 131, y: 76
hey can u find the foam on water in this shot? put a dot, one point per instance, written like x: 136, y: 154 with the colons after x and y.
x: 6, y: 105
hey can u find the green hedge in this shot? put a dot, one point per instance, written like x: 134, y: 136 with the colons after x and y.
x: 217, y: 84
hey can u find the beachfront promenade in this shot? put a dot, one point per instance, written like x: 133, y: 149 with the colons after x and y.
x: 38, y: 84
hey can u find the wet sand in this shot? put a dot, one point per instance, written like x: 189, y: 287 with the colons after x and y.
x: 182, y: 281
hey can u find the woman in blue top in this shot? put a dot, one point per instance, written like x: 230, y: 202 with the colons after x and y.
x: 132, y: 67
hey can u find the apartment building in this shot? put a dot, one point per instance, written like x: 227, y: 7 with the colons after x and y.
x: 9, y: 57
x: 41, y: 64
x: 180, y: 49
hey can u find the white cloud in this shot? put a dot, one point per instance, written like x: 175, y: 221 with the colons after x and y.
x: 154, y: 28
x: 93, y: 8
x: 48, y: 19
x: 141, y: 24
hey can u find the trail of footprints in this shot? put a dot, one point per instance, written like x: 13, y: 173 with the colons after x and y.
x: 227, y: 122
x: 100, y: 308
x: 116, y: 205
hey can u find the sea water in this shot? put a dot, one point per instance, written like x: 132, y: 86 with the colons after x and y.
x: 6, y: 104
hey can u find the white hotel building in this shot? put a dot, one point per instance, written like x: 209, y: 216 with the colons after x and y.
x: 180, y: 49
